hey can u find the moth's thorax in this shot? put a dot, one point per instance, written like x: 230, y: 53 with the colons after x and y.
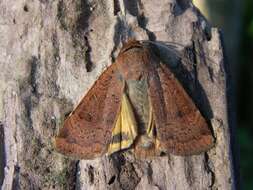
x: 132, y: 64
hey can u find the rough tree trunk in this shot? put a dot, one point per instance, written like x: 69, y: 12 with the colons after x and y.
x: 50, y: 54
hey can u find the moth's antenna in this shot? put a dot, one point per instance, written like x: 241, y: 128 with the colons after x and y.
x: 176, y: 48
x: 170, y: 45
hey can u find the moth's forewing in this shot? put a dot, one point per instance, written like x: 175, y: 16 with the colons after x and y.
x: 181, y: 128
x: 87, y: 132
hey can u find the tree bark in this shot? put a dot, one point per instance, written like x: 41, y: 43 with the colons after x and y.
x: 51, y: 53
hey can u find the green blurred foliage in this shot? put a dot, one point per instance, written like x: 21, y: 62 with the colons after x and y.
x: 245, y: 77
x: 246, y: 150
x: 250, y: 29
x: 245, y: 96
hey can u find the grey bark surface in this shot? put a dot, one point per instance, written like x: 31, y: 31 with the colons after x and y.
x: 51, y: 52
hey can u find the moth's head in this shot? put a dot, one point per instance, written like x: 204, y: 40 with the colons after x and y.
x: 131, y: 43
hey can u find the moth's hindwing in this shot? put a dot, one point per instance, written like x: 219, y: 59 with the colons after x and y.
x: 125, y: 130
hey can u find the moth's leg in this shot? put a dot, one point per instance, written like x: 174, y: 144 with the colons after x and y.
x: 151, y: 123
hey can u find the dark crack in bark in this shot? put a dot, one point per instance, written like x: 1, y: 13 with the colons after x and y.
x: 142, y: 21
x: 111, y: 180
x: 2, y: 154
x: 16, y: 182
x: 89, y: 65
x: 116, y: 7
x: 91, y: 174
x: 80, y: 34
x: 188, y: 171
x: 61, y: 12
x: 209, y: 170
x: 29, y: 90
x: 128, y: 177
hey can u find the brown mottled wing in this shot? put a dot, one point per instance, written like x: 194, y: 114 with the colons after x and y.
x: 181, y: 129
x: 87, y: 131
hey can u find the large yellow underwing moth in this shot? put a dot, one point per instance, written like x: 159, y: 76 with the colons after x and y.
x: 137, y: 104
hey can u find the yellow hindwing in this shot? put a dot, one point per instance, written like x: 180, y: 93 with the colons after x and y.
x: 125, y: 130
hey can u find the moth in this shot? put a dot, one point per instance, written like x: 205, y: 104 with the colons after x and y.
x: 136, y: 104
